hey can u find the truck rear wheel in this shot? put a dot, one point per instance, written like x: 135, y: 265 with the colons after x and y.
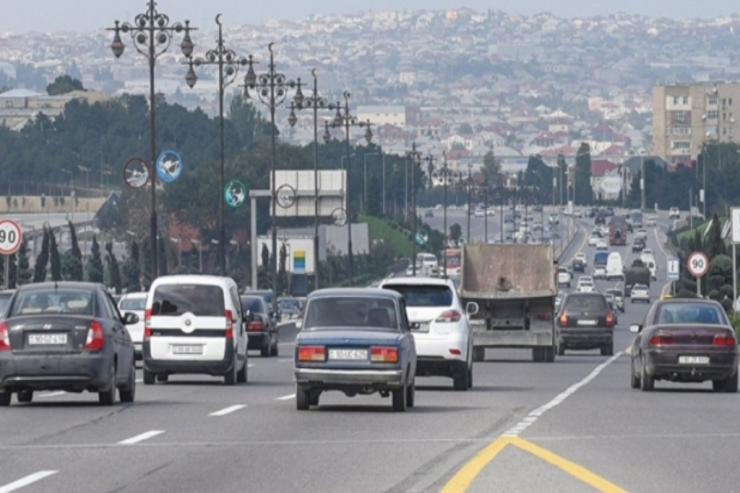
x: 548, y: 354
x: 479, y: 354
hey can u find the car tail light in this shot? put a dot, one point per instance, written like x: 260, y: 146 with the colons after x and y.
x: 4, y: 337
x: 455, y: 352
x: 95, y: 340
x: 449, y: 316
x: 148, y: 323
x: 661, y: 340
x: 609, y: 319
x: 380, y: 354
x: 721, y: 340
x: 311, y: 353
x: 229, y: 324
x: 563, y: 320
x: 256, y: 325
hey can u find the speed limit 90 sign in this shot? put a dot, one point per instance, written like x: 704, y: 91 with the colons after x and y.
x: 697, y: 264
x: 11, y: 236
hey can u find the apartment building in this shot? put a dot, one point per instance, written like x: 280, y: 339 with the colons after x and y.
x: 687, y: 117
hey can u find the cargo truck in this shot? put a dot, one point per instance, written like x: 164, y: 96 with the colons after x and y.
x: 512, y: 289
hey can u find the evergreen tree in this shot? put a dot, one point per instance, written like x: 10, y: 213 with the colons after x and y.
x: 12, y: 272
x: 491, y: 169
x: 131, y: 270
x: 283, y: 270
x: 24, y: 274
x: 145, y: 263
x: 113, y: 268
x: 95, y: 263
x: 39, y: 273
x: 583, y: 190
x: 265, y: 254
x: 562, y: 177
x: 715, y: 244
x: 72, y: 262
x: 55, y: 260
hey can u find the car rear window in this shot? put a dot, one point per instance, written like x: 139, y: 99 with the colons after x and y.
x: 689, y: 313
x: 64, y: 300
x: 423, y: 295
x: 351, y: 312
x: 198, y: 299
x: 585, y: 303
x: 133, y: 304
x: 253, y: 304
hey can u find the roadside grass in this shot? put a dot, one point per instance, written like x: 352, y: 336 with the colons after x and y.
x: 384, y: 229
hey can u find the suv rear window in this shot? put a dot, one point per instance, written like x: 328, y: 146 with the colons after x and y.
x: 198, y: 299
x: 416, y: 295
x: 585, y: 303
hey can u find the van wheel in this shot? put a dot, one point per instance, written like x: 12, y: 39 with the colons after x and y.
x: 241, y: 376
x: 608, y: 349
x: 313, y: 397
x: 230, y: 376
x: 148, y: 377
x: 460, y: 382
x: 548, y: 354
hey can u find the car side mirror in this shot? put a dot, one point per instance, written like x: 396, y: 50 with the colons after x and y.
x: 471, y: 308
x: 130, y: 318
x: 298, y: 324
x: 635, y: 328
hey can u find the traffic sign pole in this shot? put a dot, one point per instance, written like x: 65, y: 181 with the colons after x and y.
x: 698, y: 265
x: 11, y: 236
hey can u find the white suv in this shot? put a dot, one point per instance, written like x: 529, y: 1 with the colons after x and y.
x: 674, y: 213
x: 194, y: 324
x: 444, y: 344
x: 135, y: 303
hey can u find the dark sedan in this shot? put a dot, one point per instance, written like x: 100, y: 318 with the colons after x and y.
x: 685, y: 341
x: 585, y: 321
x: 262, y: 329
x: 65, y: 336
x: 357, y: 341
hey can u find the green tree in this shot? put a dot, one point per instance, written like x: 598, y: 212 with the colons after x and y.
x: 562, y: 179
x: 72, y: 262
x: 131, y: 270
x: 283, y: 270
x: 24, y: 273
x: 63, y: 85
x: 12, y: 272
x: 55, y: 260
x: 42, y: 260
x: 456, y: 232
x: 715, y: 243
x: 583, y: 190
x: 491, y: 169
x: 265, y: 254
x: 113, y: 268
x: 95, y: 263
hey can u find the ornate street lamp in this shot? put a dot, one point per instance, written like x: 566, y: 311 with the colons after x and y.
x: 228, y: 64
x: 272, y: 89
x: 152, y: 35
x: 343, y: 118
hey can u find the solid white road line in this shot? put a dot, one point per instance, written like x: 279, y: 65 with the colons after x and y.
x: 16, y: 485
x: 140, y: 438
x: 228, y: 410
x: 537, y: 413
x: 286, y: 397
x: 53, y: 394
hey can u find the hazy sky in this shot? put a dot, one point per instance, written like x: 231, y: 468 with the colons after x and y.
x: 79, y: 15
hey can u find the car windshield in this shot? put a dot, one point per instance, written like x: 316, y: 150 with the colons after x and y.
x: 347, y: 312
x: 585, y: 303
x: 418, y: 295
x: 133, y: 304
x: 253, y: 304
x: 64, y: 300
x: 689, y: 313
x: 289, y: 305
x: 177, y: 299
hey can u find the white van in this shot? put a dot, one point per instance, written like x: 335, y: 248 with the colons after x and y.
x: 614, y: 267
x: 135, y: 303
x: 194, y: 325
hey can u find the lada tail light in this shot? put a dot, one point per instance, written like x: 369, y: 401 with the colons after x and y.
x: 719, y: 339
x: 380, y: 354
x: 661, y: 340
x: 311, y: 353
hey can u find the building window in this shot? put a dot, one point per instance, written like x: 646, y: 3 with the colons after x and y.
x: 712, y: 100
x: 712, y: 115
x: 724, y: 101
x: 685, y: 100
x: 679, y: 116
x: 724, y: 116
x: 681, y: 145
x: 8, y: 104
x: 729, y: 101
x: 675, y: 99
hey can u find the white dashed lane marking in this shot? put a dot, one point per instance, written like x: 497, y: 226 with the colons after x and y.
x: 28, y: 480
x: 228, y: 410
x: 140, y: 438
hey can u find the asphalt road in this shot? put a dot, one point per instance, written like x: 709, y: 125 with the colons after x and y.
x: 570, y: 426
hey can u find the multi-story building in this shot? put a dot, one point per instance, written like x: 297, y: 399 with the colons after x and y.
x: 687, y: 117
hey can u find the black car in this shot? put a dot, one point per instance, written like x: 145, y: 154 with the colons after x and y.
x: 578, y: 265
x: 600, y: 219
x: 429, y: 213
x: 638, y: 245
x: 262, y: 328
x: 585, y: 321
x: 66, y: 336
x: 609, y: 211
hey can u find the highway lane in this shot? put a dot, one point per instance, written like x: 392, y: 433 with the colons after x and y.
x: 358, y: 444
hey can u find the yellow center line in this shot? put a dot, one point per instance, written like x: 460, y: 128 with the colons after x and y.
x: 462, y: 480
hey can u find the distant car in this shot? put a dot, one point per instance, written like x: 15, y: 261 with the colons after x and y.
x: 618, y: 296
x: 577, y: 213
x: 602, y: 244
x: 685, y: 341
x: 289, y: 307
x: 594, y: 239
x: 438, y: 206
x: 599, y: 272
x: 269, y: 298
x: 428, y: 213
x: 674, y: 213
x: 651, y: 220
x: 135, y: 303
x: 554, y: 219
x: 641, y: 234
x: 613, y: 307
x: 578, y: 265
x: 600, y: 219
x: 356, y: 341
x: 537, y: 208
x: 640, y: 292
x: 490, y: 211
x: 609, y: 211
x: 262, y: 328
x: 585, y: 321
x: 66, y: 336
x: 582, y: 256
x: 479, y: 213
x: 564, y: 277
x: 638, y: 245
x: 438, y: 321
x: 586, y: 287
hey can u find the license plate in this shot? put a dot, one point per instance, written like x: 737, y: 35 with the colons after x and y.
x: 587, y: 322
x: 693, y: 360
x: 187, y: 349
x: 348, y: 354
x: 47, y: 339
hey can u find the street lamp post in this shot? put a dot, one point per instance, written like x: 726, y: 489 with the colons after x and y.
x: 414, y: 156
x: 445, y: 174
x: 343, y: 118
x: 470, y: 185
x: 152, y: 35
x: 228, y: 64
x: 272, y: 88
x: 87, y: 201
x: 364, y: 179
x: 315, y: 103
